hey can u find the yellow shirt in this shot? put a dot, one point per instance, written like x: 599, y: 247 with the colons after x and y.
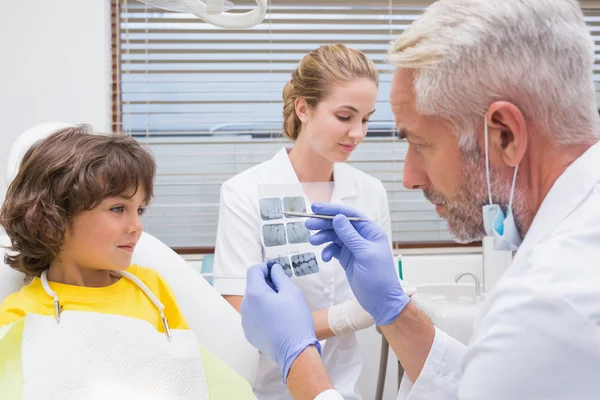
x: 121, y: 298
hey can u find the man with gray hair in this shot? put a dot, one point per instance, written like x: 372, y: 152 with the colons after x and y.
x: 496, y: 100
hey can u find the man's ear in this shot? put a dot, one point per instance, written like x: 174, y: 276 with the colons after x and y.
x: 507, y: 132
x: 302, y: 109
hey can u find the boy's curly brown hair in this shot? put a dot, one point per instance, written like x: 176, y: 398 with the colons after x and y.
x: 59, y: 177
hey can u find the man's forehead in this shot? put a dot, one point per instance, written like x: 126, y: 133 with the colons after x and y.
x: 410, y: 123
x: 402, y: 95
x: 402, y: 100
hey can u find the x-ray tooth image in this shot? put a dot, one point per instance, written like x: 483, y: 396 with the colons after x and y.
x: 305, y: 264
x: 284, y: 262
x: 270, y: 208
x: 297, y: 233
x: 274, y: 235
x: 295, y: 204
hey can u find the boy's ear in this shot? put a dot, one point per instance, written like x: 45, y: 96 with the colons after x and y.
x: 50, y: 232
x: 52, y: 227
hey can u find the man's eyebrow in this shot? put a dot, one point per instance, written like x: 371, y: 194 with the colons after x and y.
x: 403, y: 133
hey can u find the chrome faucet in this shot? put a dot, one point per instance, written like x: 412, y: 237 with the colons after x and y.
x: 477, y: 284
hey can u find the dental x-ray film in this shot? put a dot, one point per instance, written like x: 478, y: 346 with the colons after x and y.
x: 284, y: 262
x: 270, y: 209
x: 285, y: 238
x: 274, y: 235
x: 305, y: 264
x: 297, y: 232
x: 296, y: 204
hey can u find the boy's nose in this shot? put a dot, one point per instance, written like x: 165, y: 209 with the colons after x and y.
x: 136, y: 226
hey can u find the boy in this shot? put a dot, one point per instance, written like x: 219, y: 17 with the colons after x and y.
x: 73, y: 214
x: 73, y: 210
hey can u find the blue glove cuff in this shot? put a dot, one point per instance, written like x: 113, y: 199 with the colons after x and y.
x: 287, y: 364
x: 393, y: 308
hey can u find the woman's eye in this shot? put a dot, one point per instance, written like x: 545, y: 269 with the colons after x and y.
x: 118, y: 209
x: 343, y: 119
x: 365, y: 121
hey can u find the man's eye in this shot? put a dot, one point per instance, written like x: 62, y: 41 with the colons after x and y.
x: 416, y: 147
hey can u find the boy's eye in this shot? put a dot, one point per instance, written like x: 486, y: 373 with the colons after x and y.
x: 121, y: 209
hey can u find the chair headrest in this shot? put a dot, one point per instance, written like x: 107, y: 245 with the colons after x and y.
x: 24, y: 142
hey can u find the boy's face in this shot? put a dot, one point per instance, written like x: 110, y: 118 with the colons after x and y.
x: 104, y: 238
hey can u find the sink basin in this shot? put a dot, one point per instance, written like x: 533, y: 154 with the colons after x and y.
x: 450, y: 291
x: 451, y: 307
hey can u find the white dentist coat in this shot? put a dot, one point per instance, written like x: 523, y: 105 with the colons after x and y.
x: 239, y: 246
x: 538, y: 334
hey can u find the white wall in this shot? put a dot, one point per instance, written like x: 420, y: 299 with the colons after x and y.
x: 55, y: 67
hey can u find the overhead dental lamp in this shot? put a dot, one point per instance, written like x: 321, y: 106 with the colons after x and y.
x: 215, y: 12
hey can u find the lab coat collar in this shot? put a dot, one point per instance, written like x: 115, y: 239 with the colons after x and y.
x: 345, y: 182
x: 284, y: 171
x: 568, y: 192
x: 345, y: 185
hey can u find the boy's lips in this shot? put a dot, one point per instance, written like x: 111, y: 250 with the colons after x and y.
x: 348, y: 147
x: 127, y: 247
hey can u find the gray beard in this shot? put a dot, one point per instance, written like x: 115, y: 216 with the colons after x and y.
x: 465, y: 217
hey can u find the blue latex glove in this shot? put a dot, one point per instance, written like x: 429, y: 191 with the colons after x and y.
x: 275, y: 316
x: 363, y: 250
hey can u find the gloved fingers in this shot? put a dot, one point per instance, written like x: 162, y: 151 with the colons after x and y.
x: 270, y: 264
x: 248, y: 323
x: 325, y: 236
x: 258, y: 272
x: 332, y: 250
x: 318, y: 224
x: 346, y: 233
x: 279, y: 278
x: 335, y: 209
x: 257, y: 279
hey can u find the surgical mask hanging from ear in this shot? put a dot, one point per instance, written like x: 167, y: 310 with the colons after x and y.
x: 502, y: 228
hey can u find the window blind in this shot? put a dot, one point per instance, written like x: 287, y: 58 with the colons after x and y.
x: 207, y: 102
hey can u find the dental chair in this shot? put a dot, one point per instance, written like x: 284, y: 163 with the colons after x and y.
x: 215, y: 323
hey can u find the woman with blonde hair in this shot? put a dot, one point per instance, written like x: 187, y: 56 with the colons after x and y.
x: 327, y: 106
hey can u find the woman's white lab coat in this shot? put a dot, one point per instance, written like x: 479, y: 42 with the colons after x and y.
x: 538, y: 335
x: 239, y: 246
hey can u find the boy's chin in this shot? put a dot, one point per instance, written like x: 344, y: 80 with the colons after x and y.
x: 121, y: 265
